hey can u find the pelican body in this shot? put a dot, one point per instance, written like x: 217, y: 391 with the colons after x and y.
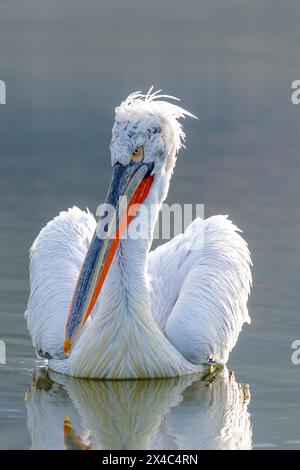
x: 104, y: 305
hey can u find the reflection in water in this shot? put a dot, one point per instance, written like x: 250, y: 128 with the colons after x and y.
x: 71, y: 440
x: 179, y: 413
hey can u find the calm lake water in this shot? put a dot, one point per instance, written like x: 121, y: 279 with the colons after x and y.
x: 67, y: 64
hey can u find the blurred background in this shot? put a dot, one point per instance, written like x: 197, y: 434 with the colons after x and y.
x: 67, y: 64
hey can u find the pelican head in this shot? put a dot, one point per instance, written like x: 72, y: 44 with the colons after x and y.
x: 150, y: 123
x: 146, y: 137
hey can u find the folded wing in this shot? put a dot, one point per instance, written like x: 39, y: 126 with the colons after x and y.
x: 200, y: 282
x: 56, y: 257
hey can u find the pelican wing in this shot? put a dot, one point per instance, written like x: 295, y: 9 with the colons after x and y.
x: 56, y: 257
x: 199, y: 286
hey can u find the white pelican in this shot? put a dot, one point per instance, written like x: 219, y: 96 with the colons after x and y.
x: 161, y: 313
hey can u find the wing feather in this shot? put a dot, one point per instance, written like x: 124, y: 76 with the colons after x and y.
x: 199, y: 296
x: 56, y: 257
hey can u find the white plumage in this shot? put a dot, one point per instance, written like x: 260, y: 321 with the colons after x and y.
x: 160, y: 313
x: 56, y: 257
x: 199, y: 297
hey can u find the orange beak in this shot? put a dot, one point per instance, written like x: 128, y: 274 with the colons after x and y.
x: 131, y: 184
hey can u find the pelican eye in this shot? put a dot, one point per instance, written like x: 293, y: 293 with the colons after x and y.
x: 137, y: 154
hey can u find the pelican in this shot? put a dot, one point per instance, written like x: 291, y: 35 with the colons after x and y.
x: 106, y: 306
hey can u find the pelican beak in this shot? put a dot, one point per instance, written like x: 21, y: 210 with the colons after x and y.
x: 133, y: 183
